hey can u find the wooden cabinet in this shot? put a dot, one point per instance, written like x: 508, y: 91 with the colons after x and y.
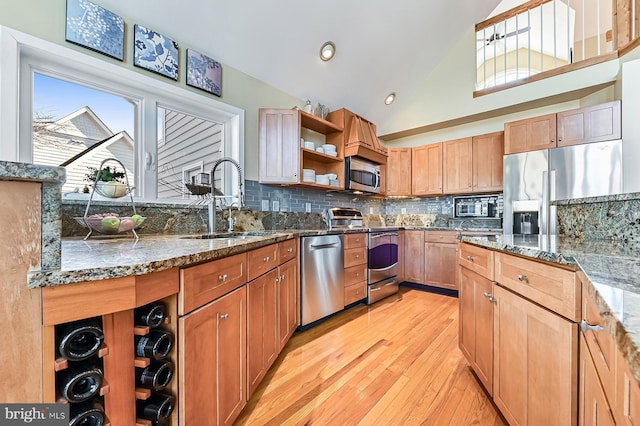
x: 414, y: 262
x: 554, y: 288
x: 355, y: 267
x: 593, y: 408
x: 440, y: 259
x: 288, y: 297
x: 399, y: 171
x: 530, y: 134
x: 263, y: 342
x: 282, y: 157
x: 279, y: 146
x: 590, y: 124
x: 535, y: 362
x: 487, y: 162
x: 626, y: 408
x: 457, y: 166
x: 476, y: 324
x: 426, y: 166
x: 212, y: 361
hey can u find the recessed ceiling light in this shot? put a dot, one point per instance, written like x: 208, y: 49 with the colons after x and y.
x: 327, y: 51
x: 390, y: 98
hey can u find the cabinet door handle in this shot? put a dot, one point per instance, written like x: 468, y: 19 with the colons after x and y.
x: 523, y: 277
x: 489, y: 296
x: 224, y: 316
x: 586, y: 327
x: 266, y: 259
x: 470, y: 258
x: 222, y: 277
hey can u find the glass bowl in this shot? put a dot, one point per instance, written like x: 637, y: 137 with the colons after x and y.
x: 112, y: 189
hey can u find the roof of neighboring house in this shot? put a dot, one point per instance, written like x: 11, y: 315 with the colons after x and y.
x: 107, y: 141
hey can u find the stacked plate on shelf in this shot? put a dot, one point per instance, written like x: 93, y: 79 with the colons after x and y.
x: 309, y: 145
x: 322, y: 179
x: 330, y: 149
x: 308, y: 175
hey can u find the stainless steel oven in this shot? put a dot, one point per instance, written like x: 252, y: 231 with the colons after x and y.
x: 382, y: 266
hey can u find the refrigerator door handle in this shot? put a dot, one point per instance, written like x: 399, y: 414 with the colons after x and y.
x: 544, y: 208
x: 552, y: 219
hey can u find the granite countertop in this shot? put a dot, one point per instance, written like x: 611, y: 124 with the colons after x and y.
x: 612, y: 273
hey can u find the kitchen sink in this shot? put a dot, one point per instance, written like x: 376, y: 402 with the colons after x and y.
x: 232, y: 235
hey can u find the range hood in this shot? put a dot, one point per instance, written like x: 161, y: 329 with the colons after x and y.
x: 362, y: 141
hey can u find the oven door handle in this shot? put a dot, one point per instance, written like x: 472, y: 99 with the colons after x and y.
x: 385, y: 268
x: 386, y: 234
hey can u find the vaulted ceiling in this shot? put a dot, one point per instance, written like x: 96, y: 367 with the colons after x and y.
x: 382, y: 46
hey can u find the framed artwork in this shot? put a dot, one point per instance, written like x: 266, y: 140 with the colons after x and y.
x: 95, y: 28
x: 204, y: 72
x: 155, y: 52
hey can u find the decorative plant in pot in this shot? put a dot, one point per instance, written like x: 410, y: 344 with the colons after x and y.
x: 109, y: 182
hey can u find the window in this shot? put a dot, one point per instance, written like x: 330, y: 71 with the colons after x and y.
x: 146, y: 107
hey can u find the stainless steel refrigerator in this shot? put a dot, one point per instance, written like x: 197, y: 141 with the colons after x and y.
x: 533, y: 179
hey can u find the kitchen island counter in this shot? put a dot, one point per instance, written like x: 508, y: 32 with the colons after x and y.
x: 610, y: 269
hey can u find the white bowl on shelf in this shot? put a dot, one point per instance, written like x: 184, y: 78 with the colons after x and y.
x: 320, y: 150
x: 334, y: 182
x: 328, y: 147
x: 309, y: 145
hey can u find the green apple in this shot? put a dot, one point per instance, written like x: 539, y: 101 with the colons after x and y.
x: 110, y: 224
x: 137, y: 219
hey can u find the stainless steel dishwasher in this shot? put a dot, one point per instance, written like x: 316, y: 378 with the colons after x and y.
x: 322, y: 277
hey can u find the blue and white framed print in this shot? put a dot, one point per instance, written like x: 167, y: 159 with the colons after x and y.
x: 204, y: 72
x: 95, y: 28
x: 155, y: 52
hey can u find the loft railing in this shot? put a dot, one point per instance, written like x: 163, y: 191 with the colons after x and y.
x: 545, y: 37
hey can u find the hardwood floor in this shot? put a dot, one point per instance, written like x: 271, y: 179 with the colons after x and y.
x: 394, y: 363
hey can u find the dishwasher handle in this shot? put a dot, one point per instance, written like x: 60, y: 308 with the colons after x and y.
x: 323, y: 246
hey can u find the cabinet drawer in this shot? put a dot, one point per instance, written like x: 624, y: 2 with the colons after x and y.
x: 477, y: 259
x: 262, y: 260
x: 354, y: 240
x: 355, y: 292
x: 288, y: 250
x: 355, y: 274
x: 554, y: 288
x: 600, y: 343
x: 355, y: 256
x: 201, y: 284
x: 446, y: 237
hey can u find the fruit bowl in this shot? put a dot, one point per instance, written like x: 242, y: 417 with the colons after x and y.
x: 112, y: 189
x: 111, y: 223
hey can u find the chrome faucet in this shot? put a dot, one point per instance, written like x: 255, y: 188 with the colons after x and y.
x: 214, y: 196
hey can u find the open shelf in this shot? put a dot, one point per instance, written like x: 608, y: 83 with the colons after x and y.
x: 317, y: 124
x: 320, y: 157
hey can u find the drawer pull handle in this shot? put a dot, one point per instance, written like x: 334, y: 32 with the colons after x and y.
x: 489, y: 296
x: 222, y: 277
x: 266, y: 259
x: 523, y: 278
x: 290, y: 250
x: 586, y: 327
x: 470, y: 258
x: 224, y: 316
x: 357, y: 256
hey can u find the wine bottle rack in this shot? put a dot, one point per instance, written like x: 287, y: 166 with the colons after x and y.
x: 119, y: 395
x: 80, y: 348
x: 144, y: 393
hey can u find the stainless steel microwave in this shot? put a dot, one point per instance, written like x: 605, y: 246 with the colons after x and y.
x: 362, y: 175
